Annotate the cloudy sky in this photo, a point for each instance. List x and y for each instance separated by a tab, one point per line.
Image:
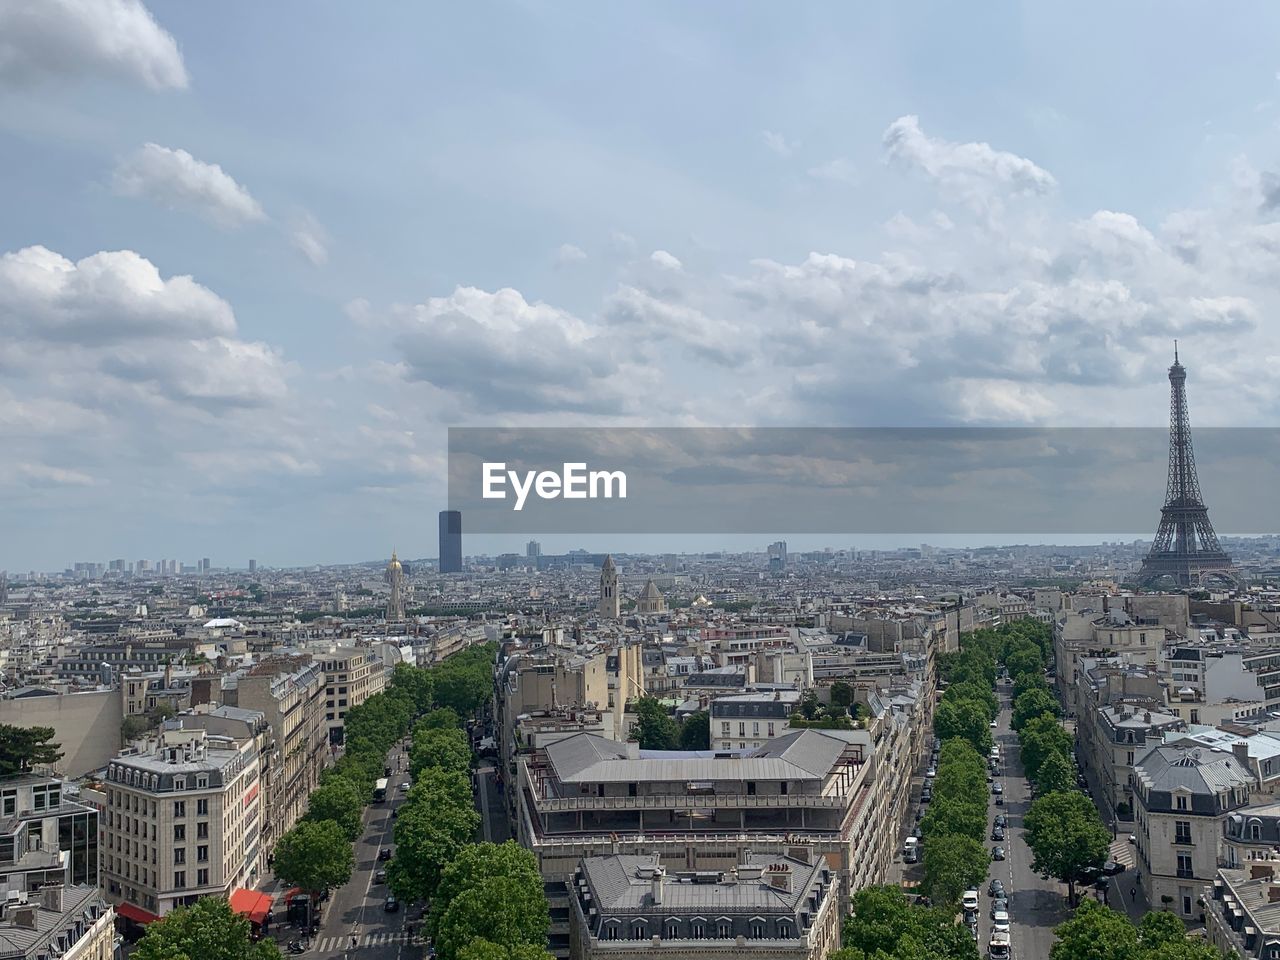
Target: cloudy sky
256	258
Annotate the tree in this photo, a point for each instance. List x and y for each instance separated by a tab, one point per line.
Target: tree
879	916
339	800
1029	681
428	835
1024	660
842	694
1056	773
486	950
695	732
1039	738
1066	836
314	855
1160	927
810	704
1095	933
207	930
977	693
444	749
1032	704
496	909
963	718
23	748
952	864
654	729
955	815
479	862
442	719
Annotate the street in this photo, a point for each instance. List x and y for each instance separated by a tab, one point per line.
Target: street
1036	905
355	910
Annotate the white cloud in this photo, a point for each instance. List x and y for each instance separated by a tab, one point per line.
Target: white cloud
310	239
665	260
568	254
839	170
176	179
964	166
40	474
778	143
46	39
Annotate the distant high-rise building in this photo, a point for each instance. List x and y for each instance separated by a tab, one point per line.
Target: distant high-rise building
610	602
143	566
395	580
4	586
778	556
253	566
533	549
204	564
450	541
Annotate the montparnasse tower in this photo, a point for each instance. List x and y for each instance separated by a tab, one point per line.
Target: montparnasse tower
395	580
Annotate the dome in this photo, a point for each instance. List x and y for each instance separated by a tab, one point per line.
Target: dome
394	564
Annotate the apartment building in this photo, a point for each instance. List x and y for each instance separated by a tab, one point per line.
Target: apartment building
352	675
183	821
1110	738
778	907
1183	794
746	721
290	692
58	922
47	836
1242	907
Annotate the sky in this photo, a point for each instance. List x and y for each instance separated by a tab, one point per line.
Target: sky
255	259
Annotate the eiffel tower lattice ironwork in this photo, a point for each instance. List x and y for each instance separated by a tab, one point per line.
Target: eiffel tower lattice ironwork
1186	549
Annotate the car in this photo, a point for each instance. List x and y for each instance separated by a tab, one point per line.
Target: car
997	853
1002	821
995	725
971	918
998	904
969	900
1000	922
391	904
380	877
1112	869
1133	838
997	787
911	855
995	888
997	832
999	799
926	795
973	932
384	854
405	785
930	773
919	815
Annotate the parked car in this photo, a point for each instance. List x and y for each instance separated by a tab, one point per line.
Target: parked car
969	900
994	725
995	888
380	877
1000	922
997	832
997	853
1133	838
971	918
998	904
930	773
999	799
384	854
391	905
1112	869
997	787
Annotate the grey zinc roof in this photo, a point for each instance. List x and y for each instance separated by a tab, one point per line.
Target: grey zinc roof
619	887
802	755
1184	765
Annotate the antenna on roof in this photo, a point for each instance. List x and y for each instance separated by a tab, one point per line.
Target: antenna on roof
1175	351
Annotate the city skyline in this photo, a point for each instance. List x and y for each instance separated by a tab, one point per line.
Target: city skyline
238	325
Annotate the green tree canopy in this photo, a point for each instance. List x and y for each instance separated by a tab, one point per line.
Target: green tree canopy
1024	659
1055	774
1095	933
1066	836
442	749
695	731
486	950
965	719
842	694
654	729
952	864
428	834
1024	682
497	909
23	748
481	861
314	855
339	800
1032	704
976	693
207	930
444	718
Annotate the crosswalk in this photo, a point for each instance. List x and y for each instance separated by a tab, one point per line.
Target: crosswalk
334	944
1122	851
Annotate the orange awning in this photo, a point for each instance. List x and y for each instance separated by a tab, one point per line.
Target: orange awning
136	914
254	905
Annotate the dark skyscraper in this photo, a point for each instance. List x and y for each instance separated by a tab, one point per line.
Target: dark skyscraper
450	541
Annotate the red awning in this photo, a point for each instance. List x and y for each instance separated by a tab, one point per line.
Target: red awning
136	914
292	893
254	905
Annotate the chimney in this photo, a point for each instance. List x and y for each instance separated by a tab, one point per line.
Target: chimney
778	876
25	916
1147	717
655	884
51	898
1273	894
1240	750
633	749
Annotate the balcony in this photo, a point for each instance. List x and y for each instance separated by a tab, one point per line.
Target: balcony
1183	839
1184	874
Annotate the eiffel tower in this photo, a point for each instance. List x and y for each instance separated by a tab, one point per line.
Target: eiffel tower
1186	550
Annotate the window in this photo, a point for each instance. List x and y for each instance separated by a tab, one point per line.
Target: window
179	879
202	831
611	930
771	728
1182	831
1195	716
179	831
757	931
202	877
202	853
722	930
755	728
673	931
637	930
179	808
179	854
1184	865
179	783
784	930
742	728
202	808
699	931
724	728
1129	758
202	783
1181	802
